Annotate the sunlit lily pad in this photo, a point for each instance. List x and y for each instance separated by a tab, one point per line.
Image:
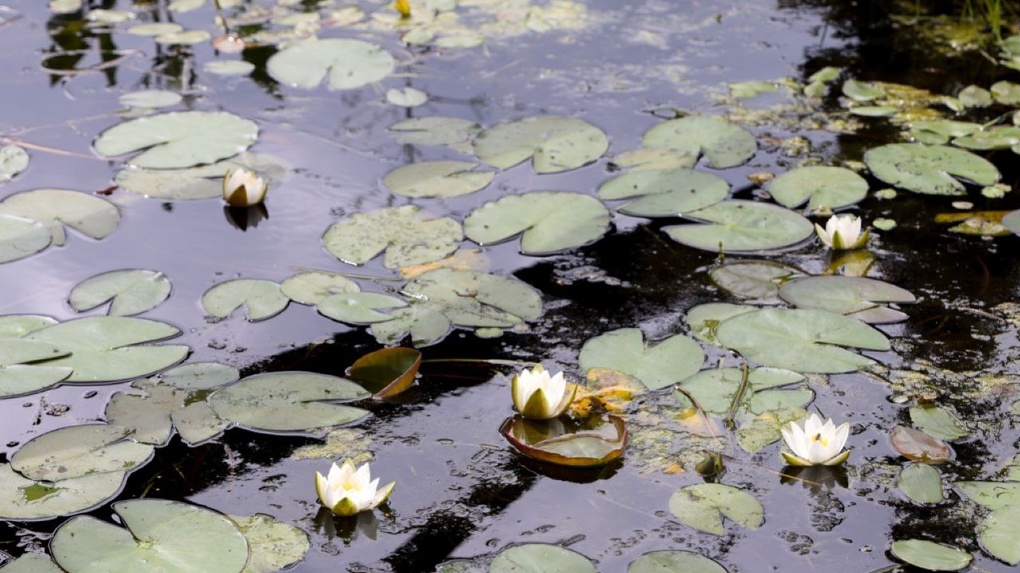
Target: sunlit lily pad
33	562
158	536
273	545
739	225
801	340
566	443
108	348
76	451
407	97
18	325
261	298
386	372
658	366
857	297
703	507
346	64
674	561
425	322
358	307
441	179
716	390
150	98
540	558
755	280
178	139
200	375
931	556
229	67
723	143
13	160
766	428
202	182
128	292
25	499
311	287
918	446
553	143
17	373
551	221
665	192
54	208
403	232
932	170
289	402
825	186
704	319
938	422
21	237
153	412
921	483
436	130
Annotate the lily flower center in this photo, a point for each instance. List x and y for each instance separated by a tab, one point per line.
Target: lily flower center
818	438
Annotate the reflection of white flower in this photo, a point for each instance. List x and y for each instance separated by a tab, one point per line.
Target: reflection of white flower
816	443
243	188
539	396
348	491
843	232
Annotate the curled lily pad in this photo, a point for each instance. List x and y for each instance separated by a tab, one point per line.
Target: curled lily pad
346	64
128	292
703	507
26	499
566	443
358	307
289	402
667	561
77	451
442	179
658	366
931	556
403	232
857	297
54	208
723	143
824	186
665	192
21	237
756	280
928	169
550	221
738	225
158	535
800	340
918	446
540	558
553	143
179	139
262	298
386	372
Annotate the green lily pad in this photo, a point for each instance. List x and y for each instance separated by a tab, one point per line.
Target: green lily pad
738	225
974	96
424	322
1006	93
857	297
442	179
159	535
664	192
674	561
19	376
128	292
152	415
723	143
407	97
716	389
825	186
109	348
346	64
178	139
272	545
155	29
931	556
931	170
596	442
436	130
553	143
703	507
228	67
656	158
33	562
24	499
386	372
551	221
311	287
754	280
358	307
766	428
54	208
261	298
18	325
995	495
289	402
941	130
200	375
21	237
13	160
999	137
202	182
150	98
705	319
403	232
938	422
624	350
540	558
76	451
184	37
801	340
921	483
862	91
874	110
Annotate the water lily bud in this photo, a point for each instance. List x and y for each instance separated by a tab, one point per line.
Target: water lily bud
539	396
816	443
347	491
243	188
843	232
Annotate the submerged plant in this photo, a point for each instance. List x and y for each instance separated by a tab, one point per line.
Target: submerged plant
347	491
539	396
816	443
843	232
243	188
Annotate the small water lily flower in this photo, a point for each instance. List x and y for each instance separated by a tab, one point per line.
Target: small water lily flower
539	396
347	491
243	188
843	233
816	443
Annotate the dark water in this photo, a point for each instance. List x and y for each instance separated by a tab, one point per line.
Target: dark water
460	491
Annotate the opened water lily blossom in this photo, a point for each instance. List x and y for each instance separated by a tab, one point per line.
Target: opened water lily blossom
843	232
347	491
539	396
243	188
816	443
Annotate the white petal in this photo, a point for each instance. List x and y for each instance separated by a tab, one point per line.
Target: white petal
841	434
361	478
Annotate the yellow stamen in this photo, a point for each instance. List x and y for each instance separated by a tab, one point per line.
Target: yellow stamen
818	438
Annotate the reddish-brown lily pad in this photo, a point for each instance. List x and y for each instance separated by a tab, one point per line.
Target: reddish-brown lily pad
386	372
918	446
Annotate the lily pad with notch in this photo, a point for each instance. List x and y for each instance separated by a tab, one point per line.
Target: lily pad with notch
674	560
441	179
704	319
938	422
200	375
664	192
21	237
178	139
24	499
77	451
358	307
857	297
553	143
754	280
540	558
658	366
344	63
717	390
999	530
725	144
311	287
89	215
548	221
155	410
929	169
740	226
424	322
129	292
565	442
260	297
703	507
820	186
403	232
19	375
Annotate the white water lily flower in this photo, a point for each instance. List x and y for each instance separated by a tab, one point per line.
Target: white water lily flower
348	491
539	396
816	443
843	232
243	188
